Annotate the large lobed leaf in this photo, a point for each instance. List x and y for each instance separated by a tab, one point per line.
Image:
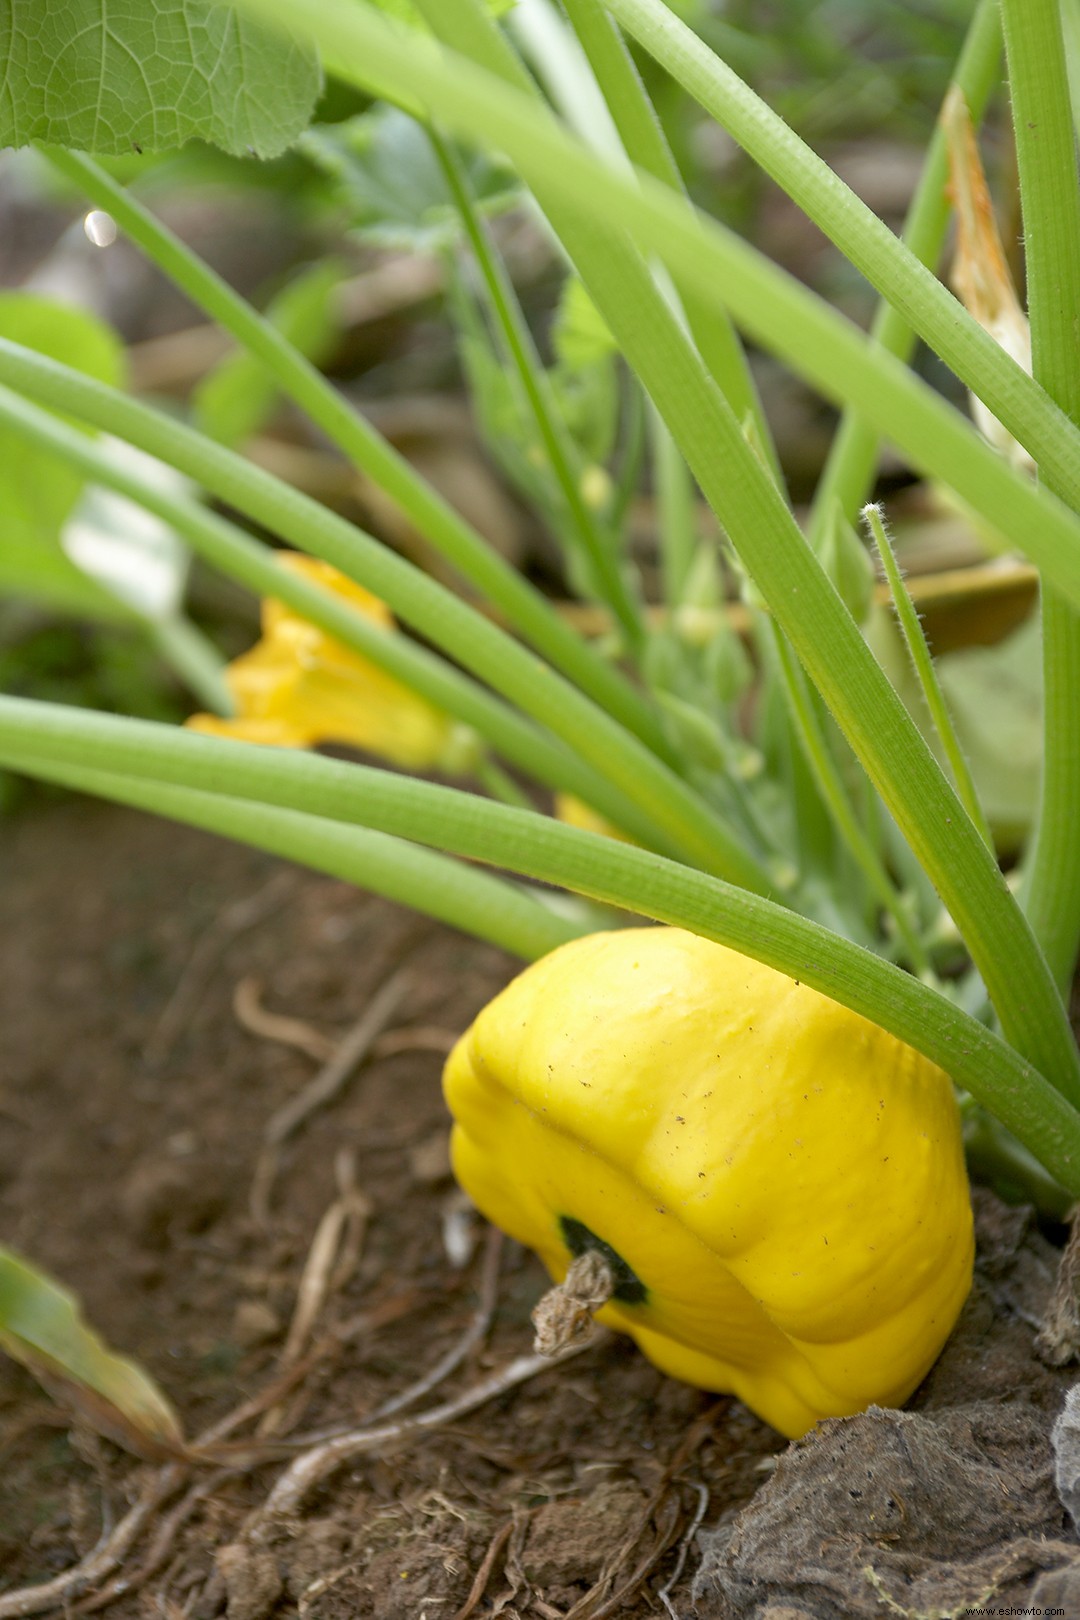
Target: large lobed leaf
111	76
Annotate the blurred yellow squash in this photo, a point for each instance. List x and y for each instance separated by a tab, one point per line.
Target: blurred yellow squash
576	813
777	1185
299	686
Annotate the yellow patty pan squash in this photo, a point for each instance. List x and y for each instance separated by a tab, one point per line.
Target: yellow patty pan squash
777	1184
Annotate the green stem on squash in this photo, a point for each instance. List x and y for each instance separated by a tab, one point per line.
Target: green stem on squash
915	640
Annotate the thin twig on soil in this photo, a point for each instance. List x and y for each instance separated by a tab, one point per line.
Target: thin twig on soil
415	1038
474	1333
308	1470
159	1548
483	1574
100	1562
446	1364
332	1258
692	1529
321	1584
330	1080
250	1013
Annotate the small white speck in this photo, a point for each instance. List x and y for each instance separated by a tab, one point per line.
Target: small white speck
100	228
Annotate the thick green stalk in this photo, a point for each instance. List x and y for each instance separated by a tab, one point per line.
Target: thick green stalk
859	234
783	316
523	606
1050	199
849	470
738	486
649	794
596	548
51	736
408	873
923	663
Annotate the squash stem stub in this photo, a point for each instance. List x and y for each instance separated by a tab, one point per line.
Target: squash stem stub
627	1288
596	1274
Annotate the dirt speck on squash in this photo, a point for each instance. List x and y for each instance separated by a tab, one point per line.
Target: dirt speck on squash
134	1103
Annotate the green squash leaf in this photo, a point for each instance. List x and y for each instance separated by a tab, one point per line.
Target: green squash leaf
117	78
994	696
389	181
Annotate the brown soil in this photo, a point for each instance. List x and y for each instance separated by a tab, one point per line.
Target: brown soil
133	1103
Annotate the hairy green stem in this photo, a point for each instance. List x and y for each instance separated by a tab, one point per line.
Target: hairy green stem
49	736
923	663
1050	199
